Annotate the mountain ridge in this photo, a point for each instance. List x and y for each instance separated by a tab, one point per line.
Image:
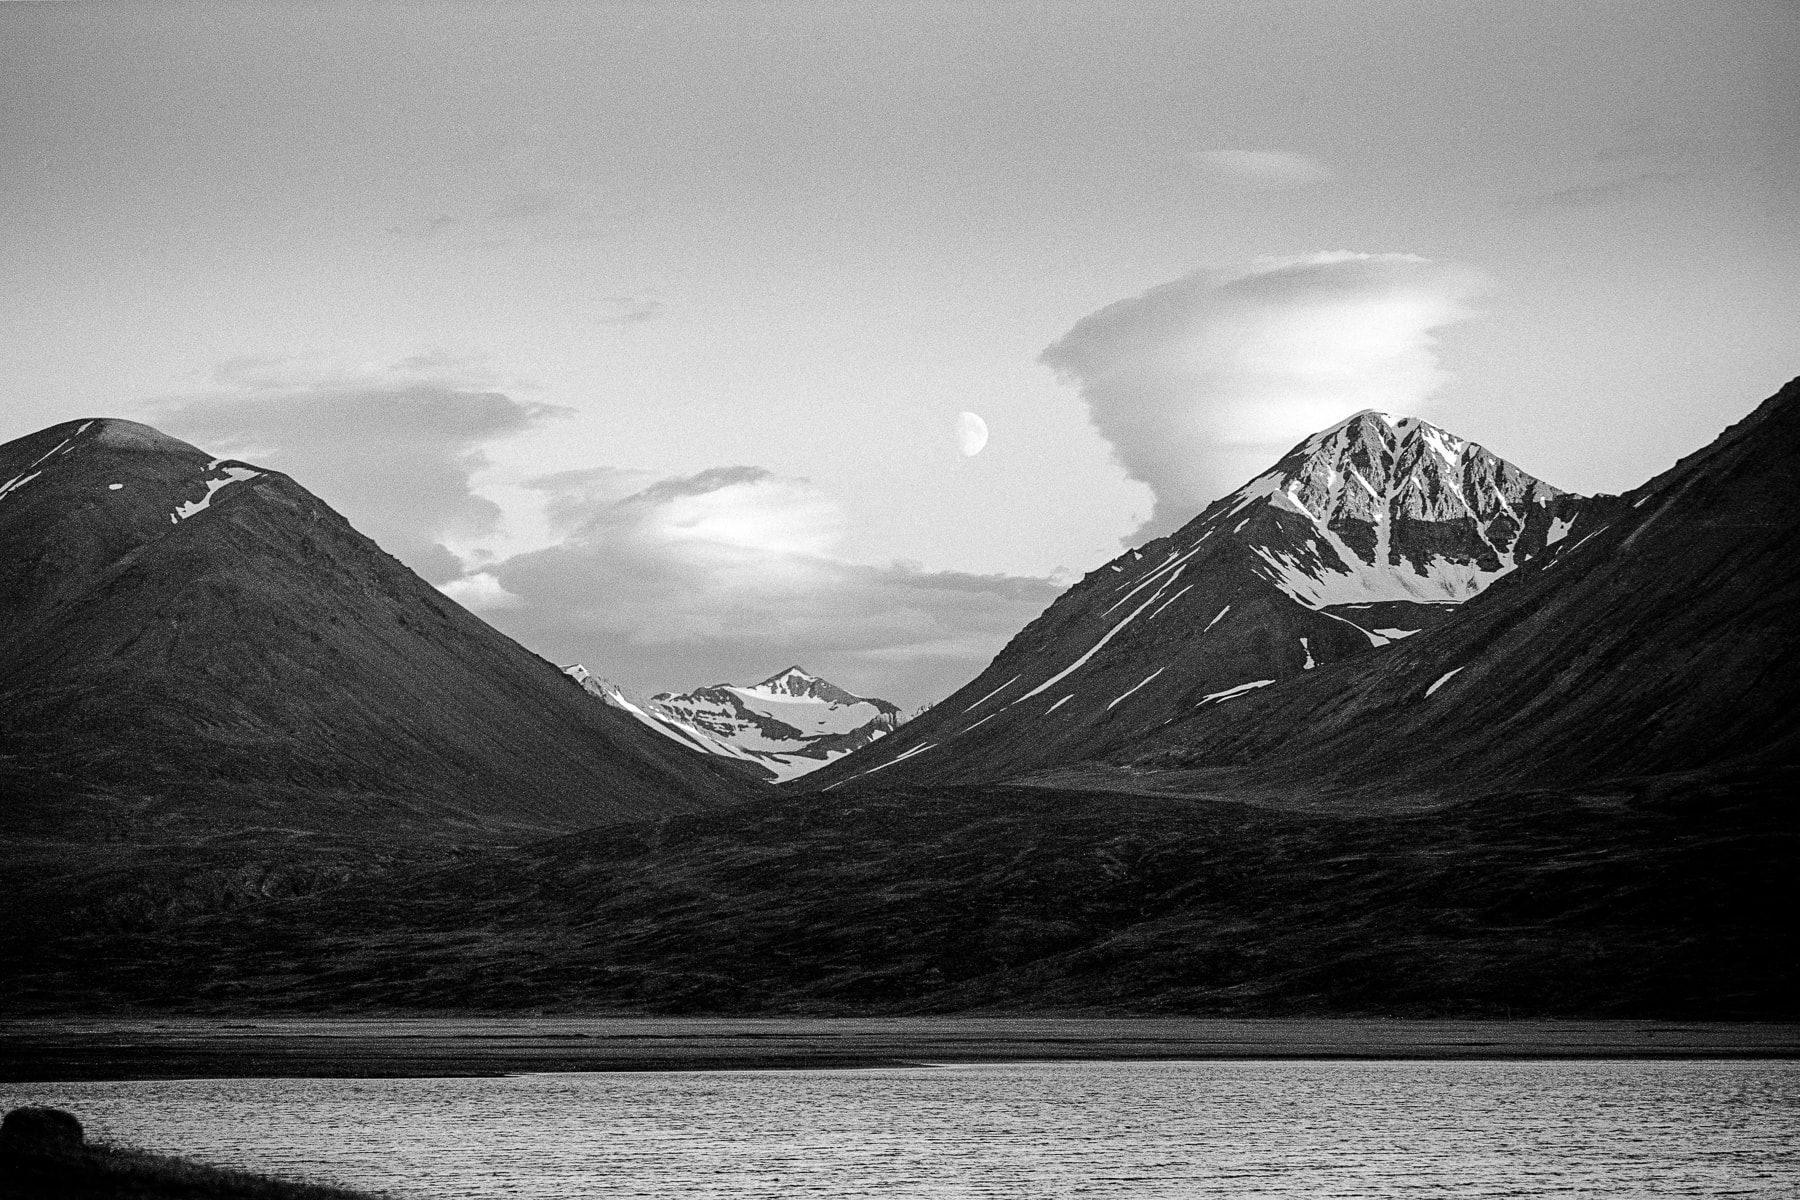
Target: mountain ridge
1362	534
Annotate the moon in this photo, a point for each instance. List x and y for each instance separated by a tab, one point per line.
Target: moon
971	434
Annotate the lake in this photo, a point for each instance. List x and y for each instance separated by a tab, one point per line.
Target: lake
1094	1129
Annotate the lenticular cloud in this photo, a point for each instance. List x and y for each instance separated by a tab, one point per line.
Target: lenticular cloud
1201	382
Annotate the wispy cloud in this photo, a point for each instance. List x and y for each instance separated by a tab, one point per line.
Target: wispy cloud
1198	383
429	227
558	213
629	310
1262	169
657	581
1645	157
1597	195
545	213
734	572
393	447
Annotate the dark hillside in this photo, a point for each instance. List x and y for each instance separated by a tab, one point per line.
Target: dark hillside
214	691
260	652
1643	898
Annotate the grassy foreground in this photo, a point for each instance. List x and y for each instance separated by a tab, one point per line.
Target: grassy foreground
98	1171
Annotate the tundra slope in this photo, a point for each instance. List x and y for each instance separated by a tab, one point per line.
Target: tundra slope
212	647
1362	535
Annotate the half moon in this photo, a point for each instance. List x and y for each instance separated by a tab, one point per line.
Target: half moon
971	434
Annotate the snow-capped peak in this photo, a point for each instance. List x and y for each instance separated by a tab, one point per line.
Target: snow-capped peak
790	723
1390	508
794	681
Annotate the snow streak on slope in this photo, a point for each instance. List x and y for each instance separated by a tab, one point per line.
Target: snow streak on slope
1099	645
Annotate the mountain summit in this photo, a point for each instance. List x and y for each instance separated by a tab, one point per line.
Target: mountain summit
1362	534
1380	508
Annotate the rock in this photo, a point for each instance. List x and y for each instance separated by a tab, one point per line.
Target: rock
42	1130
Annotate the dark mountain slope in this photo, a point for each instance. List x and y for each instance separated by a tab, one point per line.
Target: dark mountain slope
214	649
1663	634
1363	534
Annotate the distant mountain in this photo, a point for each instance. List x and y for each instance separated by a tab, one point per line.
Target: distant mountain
201	647
1362	535
786	726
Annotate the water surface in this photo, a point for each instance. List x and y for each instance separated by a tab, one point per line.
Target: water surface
1097	1129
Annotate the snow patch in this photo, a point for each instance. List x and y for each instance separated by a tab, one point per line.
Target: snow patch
983	720
1059	704
1559	529
1441	681
1146	679
1309	664
17	482
191	507
1375	639
46	454
1216	619
1232	693
898	759
991	695
1396	634
1172	599
1584	541
113	487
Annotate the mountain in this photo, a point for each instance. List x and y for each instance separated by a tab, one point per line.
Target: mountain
784	727
193	647
1571	796
1362	535
1658	636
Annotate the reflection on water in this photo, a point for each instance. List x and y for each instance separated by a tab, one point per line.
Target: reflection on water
1164	1129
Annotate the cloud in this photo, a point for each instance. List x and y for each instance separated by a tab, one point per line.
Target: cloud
558	213
1596	195
733	573
1270	169
1647	156
545	213
1200	383
392	448
629	310
430	227
480	593
658	582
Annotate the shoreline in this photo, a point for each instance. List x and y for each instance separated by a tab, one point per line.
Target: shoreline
76	1049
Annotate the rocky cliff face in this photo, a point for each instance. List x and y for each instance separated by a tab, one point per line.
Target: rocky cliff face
1363	534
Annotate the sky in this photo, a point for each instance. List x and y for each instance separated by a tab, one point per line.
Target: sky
645	329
